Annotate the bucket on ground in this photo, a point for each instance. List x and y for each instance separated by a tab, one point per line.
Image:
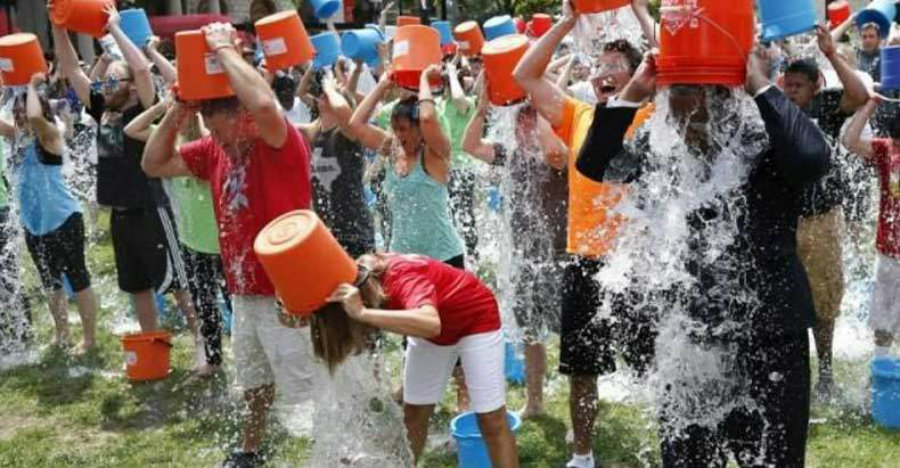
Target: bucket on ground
880	12
83	16
200	75
408	21
21	57
598	6
324	9
837	13
781	19
284	40
890	68
136	26
500	59
361	44
886	392
328	49
540	24
147	355
415	48
515	365
445	30
303	260
469	37
471	450
705	42
499	26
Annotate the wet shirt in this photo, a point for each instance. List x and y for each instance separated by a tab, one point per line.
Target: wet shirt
338	166
45	202
886	158
248	193
465	305
121	181
825	111
869	63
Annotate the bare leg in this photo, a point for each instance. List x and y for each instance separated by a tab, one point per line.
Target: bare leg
498	437
146	310
462	391
823	333
583	411
535	368
416	417
259	400
60	316
87	309
186	304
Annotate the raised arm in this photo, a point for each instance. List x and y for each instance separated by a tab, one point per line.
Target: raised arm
47	132
648	25
457	94
545	95
98	71
165	67
161	157
139	127
68	63
855	92
853	139
367	134
250	87
474	142
339	106
429	121
137	61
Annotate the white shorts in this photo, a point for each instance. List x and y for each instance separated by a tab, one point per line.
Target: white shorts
267	352
885	310
428	368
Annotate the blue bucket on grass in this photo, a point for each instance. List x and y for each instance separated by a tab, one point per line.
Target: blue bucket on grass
880	12
890	67
328	49
784	18
324	9
499	26
446	31
361	44
515	366
886	392
471	450
136	26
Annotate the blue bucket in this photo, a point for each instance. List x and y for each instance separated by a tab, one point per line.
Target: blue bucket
471	451
361	44
890	67
886	392
324	9
499	26
781	18
880	12
446	31
515	366
375	28
328	49
136	26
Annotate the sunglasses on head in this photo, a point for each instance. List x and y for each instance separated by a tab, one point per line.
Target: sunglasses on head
109	85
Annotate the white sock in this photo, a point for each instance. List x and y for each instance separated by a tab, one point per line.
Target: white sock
581	461
882	351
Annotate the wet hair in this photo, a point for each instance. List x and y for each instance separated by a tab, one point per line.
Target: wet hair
631	53
807	67
871	25
407	108
226	105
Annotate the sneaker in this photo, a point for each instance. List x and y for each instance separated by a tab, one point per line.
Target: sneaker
243	460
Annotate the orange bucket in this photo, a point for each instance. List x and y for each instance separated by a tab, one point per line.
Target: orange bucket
84	16
303	260
597	6
200	75
284	40
408	20
469	37
21	57
500	59
147	355
705	42
415	48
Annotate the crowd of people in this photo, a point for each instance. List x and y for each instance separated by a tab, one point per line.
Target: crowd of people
189	185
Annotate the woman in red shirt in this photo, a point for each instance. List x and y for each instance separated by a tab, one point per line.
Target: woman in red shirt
447	313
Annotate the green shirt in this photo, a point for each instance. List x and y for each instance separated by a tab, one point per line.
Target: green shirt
196	218
457	122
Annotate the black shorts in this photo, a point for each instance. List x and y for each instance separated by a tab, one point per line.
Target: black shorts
586	340
61	252
147	250
536	304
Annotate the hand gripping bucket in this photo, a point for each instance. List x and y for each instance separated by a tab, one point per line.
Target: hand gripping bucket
880	12
445	30
705	42
303	260
284	40
415	48
886	392
598	6
499	26
837	13
408	21
500	59
21	57
540	24
147	355
83	16
361	44
781	19
469	37
328	49
136	26
890	68
200	75
471	450
324	9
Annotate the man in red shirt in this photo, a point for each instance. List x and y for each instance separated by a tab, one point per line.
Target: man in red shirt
258	168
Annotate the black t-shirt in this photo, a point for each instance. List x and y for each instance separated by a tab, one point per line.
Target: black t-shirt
828	192
121	182
339	198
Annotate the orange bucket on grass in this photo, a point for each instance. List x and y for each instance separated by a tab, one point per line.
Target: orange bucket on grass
705	42
500	59
415	48
597	6
284	40
469	37
84	16
408	20
21	57
200	75
147	355
303	260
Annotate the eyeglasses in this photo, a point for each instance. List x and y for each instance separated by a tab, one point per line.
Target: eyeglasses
609	68
109	85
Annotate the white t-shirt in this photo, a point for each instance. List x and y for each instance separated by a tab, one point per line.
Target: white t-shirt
299	114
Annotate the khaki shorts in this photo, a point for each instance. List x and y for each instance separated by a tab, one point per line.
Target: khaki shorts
820	246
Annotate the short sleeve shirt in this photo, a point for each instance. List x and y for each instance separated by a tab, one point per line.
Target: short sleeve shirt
829	191
886	158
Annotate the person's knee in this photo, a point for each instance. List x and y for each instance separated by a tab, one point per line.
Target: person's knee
493	424
260	398
415	417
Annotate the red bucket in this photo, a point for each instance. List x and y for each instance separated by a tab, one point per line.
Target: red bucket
838	12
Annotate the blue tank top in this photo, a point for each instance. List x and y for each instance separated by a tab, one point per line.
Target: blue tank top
420	210
44	200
